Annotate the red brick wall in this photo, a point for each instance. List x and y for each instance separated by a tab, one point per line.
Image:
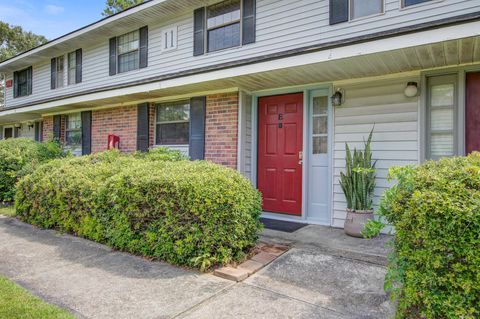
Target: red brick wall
120	121
221	129
47	128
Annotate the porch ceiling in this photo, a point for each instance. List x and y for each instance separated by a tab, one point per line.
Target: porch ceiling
415	58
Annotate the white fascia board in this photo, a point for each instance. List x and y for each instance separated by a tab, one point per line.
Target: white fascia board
371	47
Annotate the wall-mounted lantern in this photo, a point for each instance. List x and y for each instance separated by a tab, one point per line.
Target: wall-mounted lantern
337	97
411	90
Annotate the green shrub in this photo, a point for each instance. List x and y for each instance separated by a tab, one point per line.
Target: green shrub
20	156
434	271
189	213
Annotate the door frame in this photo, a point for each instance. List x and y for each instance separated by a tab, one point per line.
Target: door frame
307	90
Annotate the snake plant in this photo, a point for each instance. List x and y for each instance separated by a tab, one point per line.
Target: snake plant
358	181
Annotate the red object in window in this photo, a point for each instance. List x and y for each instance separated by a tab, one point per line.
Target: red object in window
113	142
9	83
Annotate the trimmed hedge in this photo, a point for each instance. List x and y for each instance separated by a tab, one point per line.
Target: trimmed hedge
435	208
188	213
19	156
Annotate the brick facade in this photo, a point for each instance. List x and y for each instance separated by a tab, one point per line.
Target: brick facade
221	129
120	121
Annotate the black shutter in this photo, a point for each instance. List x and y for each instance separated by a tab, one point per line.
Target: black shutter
37	131
86	132
199	31
197	128
29	80
143	127
248	27
113	56
53	74
143	47
338	11
15	84
78	67
57	127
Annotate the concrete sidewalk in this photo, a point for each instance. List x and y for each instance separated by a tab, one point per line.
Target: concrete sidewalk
92	281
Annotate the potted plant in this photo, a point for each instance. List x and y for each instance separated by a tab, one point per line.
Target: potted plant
358	185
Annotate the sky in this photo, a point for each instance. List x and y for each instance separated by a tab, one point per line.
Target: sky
51	18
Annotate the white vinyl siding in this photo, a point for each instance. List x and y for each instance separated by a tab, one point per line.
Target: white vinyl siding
280	25
395	138
245	163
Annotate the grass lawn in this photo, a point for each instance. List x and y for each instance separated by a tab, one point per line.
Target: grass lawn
7	211
16	302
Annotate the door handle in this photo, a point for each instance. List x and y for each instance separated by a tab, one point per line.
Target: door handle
300	158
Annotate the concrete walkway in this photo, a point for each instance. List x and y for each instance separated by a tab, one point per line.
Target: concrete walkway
92	281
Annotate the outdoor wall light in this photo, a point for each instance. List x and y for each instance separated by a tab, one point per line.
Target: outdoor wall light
337	97
411	90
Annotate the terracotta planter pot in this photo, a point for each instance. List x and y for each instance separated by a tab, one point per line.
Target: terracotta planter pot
356	221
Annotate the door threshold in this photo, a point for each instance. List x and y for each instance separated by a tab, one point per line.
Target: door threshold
296	219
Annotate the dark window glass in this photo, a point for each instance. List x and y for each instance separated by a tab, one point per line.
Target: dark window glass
407	3
173	123
8	133
22	84
223	25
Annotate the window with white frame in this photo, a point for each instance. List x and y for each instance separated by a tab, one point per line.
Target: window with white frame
72	68
60	67
441	116
223	25
22	83
73	130
128	51
172	123
364	8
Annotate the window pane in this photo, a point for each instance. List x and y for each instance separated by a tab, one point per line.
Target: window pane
60	71
441	119
224	37
320	125
74	121
223	13
179	111
72	67
441	145
128	62
128	42
173	133
320	145
413	2
362	8
73	137
442	95
320	105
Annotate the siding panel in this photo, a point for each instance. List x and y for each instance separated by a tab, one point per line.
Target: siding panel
395	138
280	25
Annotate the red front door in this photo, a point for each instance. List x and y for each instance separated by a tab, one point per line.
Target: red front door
472	113
280	143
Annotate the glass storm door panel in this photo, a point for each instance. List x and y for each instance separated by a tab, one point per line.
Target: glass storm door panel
318	167
280	146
